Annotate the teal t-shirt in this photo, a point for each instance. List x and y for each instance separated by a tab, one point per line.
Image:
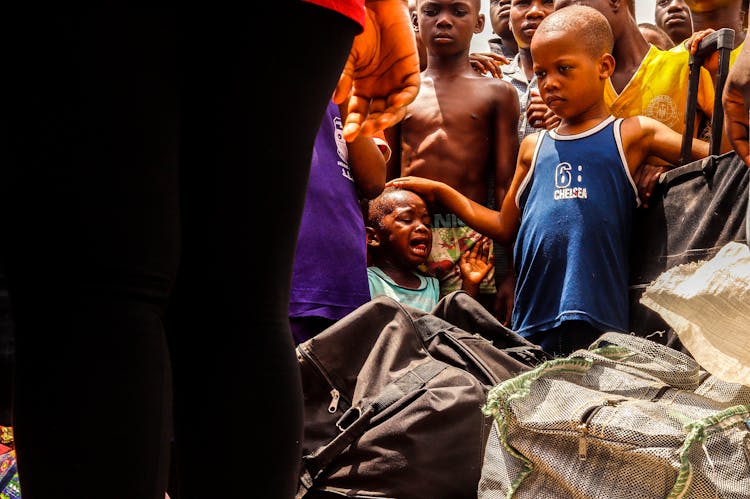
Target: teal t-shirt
424	298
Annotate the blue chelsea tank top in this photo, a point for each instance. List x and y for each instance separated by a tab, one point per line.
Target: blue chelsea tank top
571	252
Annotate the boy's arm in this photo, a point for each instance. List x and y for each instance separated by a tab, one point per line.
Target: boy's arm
393	165
367	162
506	157
643	137
505	139
736	100
500	226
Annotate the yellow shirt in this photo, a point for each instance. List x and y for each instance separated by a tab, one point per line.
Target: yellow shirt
658	89
680	47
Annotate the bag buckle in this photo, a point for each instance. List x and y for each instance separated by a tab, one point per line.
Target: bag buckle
350	416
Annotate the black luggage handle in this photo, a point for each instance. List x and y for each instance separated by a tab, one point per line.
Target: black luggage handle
723	41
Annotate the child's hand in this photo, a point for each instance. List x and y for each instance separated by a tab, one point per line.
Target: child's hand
484	62
422	186
538	114
711	63
475	264
646	179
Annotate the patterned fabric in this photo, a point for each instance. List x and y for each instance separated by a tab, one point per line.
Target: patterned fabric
514	74
10	488
451	237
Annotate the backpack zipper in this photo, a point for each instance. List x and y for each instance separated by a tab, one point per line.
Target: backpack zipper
336	395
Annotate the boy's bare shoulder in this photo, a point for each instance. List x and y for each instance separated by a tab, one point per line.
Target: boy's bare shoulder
504	90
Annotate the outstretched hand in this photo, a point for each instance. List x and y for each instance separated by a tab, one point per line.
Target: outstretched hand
475	264
381	75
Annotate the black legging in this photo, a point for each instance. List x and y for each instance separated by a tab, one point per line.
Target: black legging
155	165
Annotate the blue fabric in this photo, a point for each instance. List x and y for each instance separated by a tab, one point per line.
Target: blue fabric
576	205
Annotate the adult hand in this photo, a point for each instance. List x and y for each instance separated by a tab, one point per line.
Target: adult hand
736	101
381	75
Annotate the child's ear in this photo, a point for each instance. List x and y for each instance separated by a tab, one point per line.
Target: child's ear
414	21
373	241
606	66
479	26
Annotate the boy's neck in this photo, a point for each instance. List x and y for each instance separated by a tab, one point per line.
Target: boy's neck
629	51
525	62
454	65
585	121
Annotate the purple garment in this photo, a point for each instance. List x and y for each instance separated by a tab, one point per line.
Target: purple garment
330	266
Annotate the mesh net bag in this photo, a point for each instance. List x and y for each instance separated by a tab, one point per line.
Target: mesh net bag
628	418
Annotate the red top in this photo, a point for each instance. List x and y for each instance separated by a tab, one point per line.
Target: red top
353	9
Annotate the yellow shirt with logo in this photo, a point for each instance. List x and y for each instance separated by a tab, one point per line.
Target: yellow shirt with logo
658	89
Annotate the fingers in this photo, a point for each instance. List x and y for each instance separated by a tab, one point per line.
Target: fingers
368	116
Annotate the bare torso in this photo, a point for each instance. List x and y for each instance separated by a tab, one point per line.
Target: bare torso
451	129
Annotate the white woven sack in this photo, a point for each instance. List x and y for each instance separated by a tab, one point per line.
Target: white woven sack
708	306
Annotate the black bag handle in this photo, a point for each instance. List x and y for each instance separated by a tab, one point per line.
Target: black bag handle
355	421
723	41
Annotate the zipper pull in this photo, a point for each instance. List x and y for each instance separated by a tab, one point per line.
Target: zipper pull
334	405
582	443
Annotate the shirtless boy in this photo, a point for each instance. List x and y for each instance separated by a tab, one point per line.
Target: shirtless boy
461	129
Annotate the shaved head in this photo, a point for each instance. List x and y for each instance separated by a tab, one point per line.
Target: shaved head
590	26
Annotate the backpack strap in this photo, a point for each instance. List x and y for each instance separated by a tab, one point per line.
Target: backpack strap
356	420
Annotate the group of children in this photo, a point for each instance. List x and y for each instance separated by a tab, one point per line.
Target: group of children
549	161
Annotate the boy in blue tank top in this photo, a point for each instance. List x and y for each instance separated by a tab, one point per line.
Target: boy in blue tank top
571	201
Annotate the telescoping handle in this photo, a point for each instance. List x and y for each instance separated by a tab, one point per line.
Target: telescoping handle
723	41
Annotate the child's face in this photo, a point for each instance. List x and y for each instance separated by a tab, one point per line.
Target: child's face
447	26
673	16
525	16
571	81
406	234
500	17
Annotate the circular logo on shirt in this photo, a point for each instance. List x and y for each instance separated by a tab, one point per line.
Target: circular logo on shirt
663	108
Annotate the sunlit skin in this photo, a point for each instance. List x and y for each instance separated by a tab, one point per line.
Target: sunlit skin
673	16
381	75
462	127
525	16
736	100
717	14
402	240
571	82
